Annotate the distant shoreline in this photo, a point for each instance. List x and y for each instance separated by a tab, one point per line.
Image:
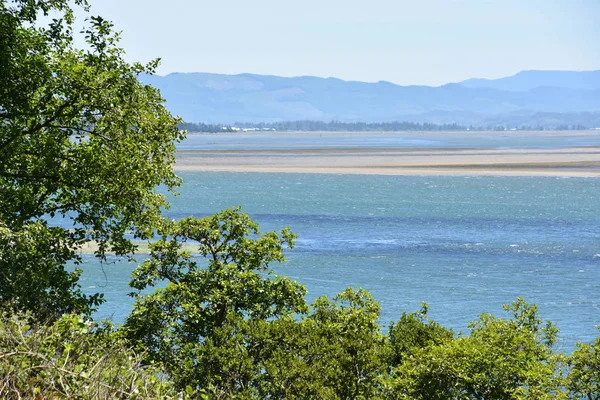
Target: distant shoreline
535	132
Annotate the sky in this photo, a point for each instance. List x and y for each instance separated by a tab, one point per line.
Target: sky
416	42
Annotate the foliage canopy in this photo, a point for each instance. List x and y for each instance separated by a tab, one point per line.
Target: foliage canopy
83	146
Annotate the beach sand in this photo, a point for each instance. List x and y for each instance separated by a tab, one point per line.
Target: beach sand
576	161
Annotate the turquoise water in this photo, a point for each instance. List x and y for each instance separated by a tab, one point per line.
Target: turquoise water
465	245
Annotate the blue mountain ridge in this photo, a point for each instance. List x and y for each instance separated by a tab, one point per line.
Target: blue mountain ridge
218	98
527	80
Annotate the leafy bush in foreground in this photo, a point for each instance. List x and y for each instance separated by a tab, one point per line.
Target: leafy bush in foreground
71	359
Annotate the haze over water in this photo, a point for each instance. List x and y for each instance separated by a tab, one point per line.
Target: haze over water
391	140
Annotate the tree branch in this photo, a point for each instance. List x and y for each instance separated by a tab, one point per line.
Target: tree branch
37	127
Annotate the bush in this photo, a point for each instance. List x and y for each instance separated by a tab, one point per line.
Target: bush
71	358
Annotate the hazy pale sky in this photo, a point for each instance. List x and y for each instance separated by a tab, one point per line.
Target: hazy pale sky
428	42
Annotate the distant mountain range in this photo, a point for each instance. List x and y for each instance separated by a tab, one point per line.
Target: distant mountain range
529	97
527	80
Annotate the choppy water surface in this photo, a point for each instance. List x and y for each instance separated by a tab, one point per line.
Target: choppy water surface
465	245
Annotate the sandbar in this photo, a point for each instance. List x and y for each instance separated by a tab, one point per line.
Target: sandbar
576	161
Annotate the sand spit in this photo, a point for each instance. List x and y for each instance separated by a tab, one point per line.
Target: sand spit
576	161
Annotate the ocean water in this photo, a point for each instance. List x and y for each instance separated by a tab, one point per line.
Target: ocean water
389	140
464	245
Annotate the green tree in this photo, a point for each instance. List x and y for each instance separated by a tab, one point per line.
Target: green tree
413	332
583	380
501	359
83	146
335	352
196	325
227	324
